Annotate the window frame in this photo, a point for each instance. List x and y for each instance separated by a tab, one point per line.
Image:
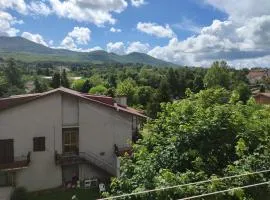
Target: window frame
39	144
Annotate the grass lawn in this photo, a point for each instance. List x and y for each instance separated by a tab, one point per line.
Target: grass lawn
65	194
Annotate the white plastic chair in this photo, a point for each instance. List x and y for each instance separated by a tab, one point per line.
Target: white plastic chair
87	183
102	187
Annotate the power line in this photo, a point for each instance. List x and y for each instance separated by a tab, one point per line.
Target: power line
187	184
223	191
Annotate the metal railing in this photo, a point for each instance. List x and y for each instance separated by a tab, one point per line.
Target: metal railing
88	157
17	163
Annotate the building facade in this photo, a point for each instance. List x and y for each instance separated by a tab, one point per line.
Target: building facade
47	138
262	98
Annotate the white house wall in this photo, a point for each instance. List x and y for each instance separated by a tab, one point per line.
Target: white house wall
70	110
100	128
38	118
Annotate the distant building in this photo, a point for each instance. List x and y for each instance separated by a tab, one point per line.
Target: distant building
48	137
256	76
262	98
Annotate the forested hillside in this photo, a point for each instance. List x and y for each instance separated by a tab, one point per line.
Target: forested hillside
27	51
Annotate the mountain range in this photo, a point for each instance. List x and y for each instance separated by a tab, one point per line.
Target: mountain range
27	51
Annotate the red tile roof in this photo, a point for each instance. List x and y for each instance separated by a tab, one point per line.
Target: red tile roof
263	94
109	102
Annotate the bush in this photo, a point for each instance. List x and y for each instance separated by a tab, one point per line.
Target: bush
19	193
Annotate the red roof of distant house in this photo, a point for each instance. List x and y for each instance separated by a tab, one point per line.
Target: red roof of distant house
263	94
109	102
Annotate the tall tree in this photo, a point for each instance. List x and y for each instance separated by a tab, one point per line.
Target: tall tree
218	76
13	74
56	80
64	79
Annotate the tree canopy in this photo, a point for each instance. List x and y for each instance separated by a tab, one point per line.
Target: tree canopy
204	136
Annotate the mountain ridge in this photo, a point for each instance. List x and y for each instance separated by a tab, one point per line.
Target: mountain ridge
28	51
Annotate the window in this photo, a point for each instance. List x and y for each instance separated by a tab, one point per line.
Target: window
70	140
39	144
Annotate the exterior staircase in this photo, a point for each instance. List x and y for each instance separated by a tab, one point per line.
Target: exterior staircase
88	158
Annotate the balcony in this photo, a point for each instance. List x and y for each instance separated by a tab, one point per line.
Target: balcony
18	163
123	150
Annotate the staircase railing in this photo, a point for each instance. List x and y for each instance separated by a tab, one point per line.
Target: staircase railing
86	156
99	162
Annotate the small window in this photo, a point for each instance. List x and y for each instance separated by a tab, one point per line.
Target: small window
39	144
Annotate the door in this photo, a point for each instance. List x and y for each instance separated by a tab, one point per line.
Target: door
6	151
70	140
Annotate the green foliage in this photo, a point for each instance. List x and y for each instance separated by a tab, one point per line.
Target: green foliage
126	88
99	89
64	79
13	74
56	82
97	80
218	76
203	136
40	86
78	85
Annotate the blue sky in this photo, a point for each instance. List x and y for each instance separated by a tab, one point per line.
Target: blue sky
188	32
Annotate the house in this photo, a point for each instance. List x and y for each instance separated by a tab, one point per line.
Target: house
257	75
262	98
47	138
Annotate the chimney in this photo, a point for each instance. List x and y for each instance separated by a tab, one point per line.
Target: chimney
121	100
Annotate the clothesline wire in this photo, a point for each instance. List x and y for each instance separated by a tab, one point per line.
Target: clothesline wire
224	191
184	185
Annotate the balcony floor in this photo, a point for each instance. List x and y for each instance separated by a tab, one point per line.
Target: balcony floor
13	166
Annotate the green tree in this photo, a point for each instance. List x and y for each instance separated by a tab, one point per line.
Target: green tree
244	92
12	74
196	139
86	86
39	86
198	83
143	95
99	89
126	88
78	85
217	76
56	80
64	79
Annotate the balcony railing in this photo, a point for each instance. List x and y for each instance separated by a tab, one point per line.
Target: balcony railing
18	163
85	157
123	150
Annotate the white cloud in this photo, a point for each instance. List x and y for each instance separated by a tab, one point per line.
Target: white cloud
82	35
34	38
137	3
51	42
68	43
121	48
96	48
243	39
117	47
6	23
241	10
138	47
78	36
156	30
18	5
98	12
115	30
38	8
